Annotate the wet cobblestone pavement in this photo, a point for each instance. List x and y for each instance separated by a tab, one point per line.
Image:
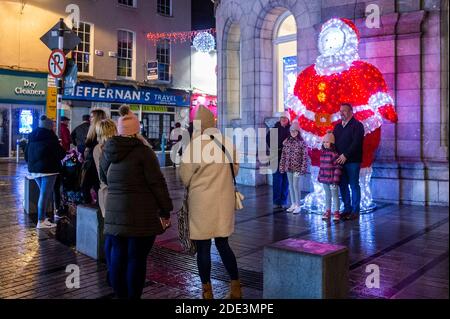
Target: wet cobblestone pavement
410	244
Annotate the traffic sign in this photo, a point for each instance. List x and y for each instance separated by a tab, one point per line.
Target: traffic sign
50	39
57	63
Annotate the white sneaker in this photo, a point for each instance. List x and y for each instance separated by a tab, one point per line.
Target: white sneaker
292	208
45	224
297	210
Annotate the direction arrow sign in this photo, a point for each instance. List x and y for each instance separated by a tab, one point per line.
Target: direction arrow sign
57	63
50	39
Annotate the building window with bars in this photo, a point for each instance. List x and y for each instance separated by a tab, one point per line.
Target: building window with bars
82	53
128	3
125	44
163	57
165	7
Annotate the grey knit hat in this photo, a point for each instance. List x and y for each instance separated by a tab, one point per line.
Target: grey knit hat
45	122
295	126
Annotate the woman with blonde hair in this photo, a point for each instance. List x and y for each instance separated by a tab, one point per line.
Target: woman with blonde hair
104	130
89	173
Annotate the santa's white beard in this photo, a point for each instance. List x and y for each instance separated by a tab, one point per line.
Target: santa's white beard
339	62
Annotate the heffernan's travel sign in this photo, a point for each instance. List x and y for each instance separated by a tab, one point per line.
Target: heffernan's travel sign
124	94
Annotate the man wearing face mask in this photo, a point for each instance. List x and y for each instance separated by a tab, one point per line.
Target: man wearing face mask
349	135
280	183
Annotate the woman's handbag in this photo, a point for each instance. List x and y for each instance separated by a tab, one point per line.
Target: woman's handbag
239	197
183	227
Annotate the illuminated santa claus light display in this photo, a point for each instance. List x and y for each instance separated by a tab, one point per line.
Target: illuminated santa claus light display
339	76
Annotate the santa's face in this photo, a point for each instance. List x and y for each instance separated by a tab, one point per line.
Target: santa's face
331	41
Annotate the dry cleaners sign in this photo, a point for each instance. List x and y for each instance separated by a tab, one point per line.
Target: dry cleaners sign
29	88
123	94
22	87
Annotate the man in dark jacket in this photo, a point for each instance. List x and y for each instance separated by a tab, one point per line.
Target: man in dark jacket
280	183
349	135
79	134
138	206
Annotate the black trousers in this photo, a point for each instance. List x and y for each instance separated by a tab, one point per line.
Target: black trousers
204	258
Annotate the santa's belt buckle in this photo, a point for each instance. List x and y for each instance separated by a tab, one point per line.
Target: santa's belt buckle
323	119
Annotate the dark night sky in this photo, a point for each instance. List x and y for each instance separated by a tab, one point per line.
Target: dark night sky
203	14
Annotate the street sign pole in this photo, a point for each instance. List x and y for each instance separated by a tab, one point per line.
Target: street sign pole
59	81
62	39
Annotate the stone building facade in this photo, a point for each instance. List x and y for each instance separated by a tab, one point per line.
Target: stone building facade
410	48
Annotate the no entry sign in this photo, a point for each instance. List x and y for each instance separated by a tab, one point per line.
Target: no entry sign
57	63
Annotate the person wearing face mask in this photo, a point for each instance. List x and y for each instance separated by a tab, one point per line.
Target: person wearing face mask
280	183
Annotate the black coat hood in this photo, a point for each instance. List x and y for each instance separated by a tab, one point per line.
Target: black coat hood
41	134
118	147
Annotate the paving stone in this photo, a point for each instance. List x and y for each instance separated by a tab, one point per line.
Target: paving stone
401	240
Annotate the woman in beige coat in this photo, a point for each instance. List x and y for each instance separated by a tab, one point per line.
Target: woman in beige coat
206	173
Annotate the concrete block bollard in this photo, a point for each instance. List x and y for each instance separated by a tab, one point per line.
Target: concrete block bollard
303	269
90	238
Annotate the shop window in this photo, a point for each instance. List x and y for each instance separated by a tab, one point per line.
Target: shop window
233	72
163	57
164	7
82	53
125	47
285	61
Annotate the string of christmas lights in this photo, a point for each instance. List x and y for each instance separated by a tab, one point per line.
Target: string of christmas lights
177	37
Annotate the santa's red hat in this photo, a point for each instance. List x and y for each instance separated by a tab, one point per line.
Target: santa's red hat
351	25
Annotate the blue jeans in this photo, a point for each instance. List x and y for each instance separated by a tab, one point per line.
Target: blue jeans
204	258
350	176
127	264
45	184
280	188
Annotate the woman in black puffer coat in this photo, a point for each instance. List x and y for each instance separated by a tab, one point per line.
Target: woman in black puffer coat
138	207
43	155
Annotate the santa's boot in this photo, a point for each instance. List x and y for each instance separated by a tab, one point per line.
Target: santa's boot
235	290
207	292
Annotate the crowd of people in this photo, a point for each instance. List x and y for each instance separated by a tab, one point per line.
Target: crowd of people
122	174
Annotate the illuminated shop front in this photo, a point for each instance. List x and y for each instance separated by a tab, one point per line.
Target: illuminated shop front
22	101
157	110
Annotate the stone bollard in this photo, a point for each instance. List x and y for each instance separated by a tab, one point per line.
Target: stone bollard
90	238
303	269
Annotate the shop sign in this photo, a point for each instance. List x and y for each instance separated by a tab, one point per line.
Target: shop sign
51	103
129	95
154	108
16	86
